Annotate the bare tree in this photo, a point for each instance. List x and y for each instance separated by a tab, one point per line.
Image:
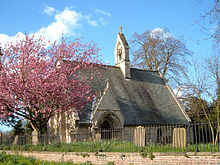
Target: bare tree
211	17
195	110
206	86
158	50
214	14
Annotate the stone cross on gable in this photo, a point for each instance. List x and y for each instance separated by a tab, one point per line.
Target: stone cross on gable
120	29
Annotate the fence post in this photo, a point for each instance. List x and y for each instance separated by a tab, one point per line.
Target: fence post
196	136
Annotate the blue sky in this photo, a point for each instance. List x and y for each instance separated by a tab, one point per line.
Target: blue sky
99	20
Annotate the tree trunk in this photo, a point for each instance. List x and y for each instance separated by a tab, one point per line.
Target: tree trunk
38	133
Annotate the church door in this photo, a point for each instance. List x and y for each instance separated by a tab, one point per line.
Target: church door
106	130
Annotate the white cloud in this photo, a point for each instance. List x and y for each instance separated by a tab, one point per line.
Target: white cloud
157	31
180	91
103	12
91	22
65	23
4	39
102	21
49	10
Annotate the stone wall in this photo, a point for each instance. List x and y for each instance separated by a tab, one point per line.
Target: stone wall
127	158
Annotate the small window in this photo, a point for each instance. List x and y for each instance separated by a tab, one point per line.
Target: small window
119	54
119	57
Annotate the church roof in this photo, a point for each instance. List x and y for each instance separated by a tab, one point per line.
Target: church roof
143	99
124	41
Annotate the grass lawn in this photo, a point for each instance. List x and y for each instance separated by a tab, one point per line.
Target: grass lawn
110	146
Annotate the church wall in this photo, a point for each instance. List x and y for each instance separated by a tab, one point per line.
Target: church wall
64	128
152	134
81	133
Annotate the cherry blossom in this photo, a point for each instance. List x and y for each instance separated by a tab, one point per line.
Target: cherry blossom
37	81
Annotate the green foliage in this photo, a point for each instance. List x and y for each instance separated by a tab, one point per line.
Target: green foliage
151	156
111	163
195	109
31	159
86	163
109	146
143	154
2	156
18	128
13	160
16	160
146	154
97	154
83	154
6	159
28	128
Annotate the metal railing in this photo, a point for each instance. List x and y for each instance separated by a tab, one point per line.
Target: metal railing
202	137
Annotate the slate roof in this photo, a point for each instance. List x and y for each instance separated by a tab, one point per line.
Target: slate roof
144	99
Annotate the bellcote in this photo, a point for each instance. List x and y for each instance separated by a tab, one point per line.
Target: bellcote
122	55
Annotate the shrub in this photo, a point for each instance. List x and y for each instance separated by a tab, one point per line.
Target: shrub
83	154
143	154
110	163
86	163
151	156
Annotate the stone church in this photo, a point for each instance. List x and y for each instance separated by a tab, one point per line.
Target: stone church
127	98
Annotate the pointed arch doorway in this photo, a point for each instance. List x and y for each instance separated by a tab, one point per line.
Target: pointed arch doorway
106	130
109	125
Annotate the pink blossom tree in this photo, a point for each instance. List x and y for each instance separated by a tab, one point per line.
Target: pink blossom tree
37	81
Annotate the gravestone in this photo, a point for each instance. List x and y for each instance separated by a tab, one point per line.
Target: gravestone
35	139
179	137
139	136
0	138
97	136
15	142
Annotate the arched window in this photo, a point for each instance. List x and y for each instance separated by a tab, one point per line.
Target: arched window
119	52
